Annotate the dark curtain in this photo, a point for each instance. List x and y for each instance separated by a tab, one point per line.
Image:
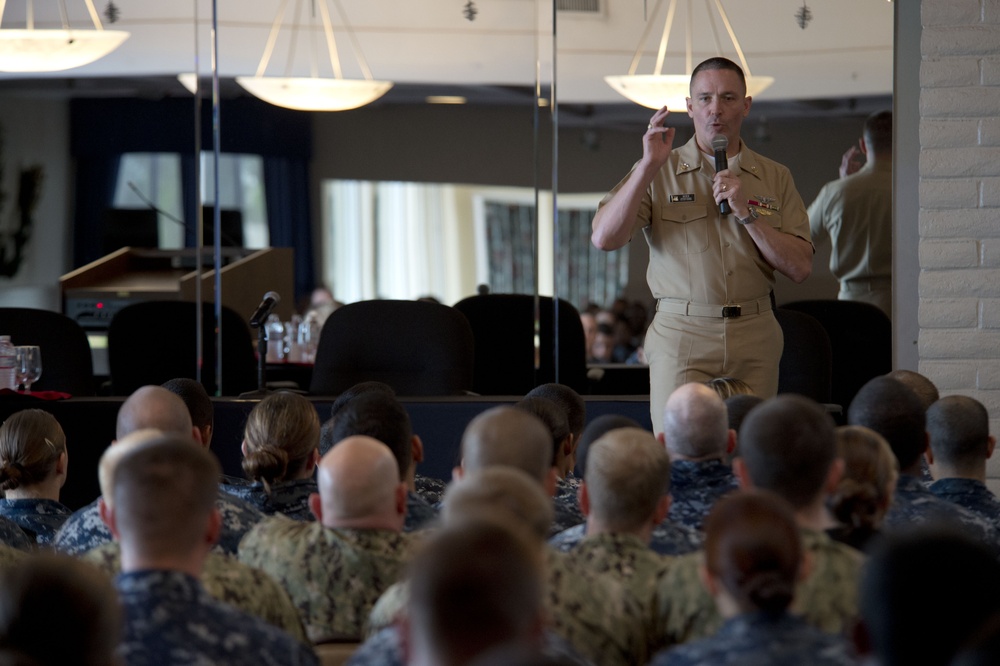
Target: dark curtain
101	130
96	175
286	182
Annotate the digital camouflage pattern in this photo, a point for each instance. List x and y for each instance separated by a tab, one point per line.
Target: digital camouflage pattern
289	498
642	571
334	576
827	599
666	539
84	530
38	518
171	619
755	638
914	504
12	535
970	494
419	514
694	489
591	611
431	489
230	581
384	648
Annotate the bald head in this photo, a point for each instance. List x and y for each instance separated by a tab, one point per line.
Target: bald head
508	436
695	423
154	407
359	486
499	492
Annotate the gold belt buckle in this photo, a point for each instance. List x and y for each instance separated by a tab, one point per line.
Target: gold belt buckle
730	311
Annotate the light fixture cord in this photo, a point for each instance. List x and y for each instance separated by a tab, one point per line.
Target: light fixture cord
331	41
272	37
94	16
293	42
732	36
354	42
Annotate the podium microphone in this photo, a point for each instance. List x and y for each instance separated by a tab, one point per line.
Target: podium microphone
260	315
719	145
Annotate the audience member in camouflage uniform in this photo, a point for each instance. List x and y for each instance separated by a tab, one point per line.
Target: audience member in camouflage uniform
894	411
33	464
571	404
753	557
697	436
787	446
163	515
664	537
228	580
960	443
590	611
280	452
381	416
336	568
49	590
145	410
625	496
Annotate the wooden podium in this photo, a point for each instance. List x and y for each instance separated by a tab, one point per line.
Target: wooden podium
92	294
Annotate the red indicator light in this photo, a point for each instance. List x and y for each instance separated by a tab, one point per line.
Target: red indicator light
100	306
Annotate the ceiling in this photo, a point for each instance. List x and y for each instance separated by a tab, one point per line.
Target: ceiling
844	53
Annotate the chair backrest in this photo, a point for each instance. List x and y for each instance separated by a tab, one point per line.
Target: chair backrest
860	341
806	365
417	348
66	357
504	328
153	341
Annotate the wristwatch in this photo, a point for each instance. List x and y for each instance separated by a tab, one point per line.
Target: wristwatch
752	216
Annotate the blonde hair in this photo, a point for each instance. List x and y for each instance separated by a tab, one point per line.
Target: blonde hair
870	471
727	387
280	434
31	442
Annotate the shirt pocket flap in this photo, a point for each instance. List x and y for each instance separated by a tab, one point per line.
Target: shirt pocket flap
683	214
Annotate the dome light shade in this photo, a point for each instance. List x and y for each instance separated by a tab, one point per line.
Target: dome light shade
670	90
314	94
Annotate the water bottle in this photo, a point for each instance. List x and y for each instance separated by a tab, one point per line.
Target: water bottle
293	352
8	363
275	339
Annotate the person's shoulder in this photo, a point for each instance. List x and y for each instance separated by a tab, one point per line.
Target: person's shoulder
569	538
257	639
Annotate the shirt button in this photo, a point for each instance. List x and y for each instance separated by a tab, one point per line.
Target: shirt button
729	273
728	244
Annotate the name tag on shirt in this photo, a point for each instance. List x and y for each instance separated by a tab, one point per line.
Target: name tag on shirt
681	198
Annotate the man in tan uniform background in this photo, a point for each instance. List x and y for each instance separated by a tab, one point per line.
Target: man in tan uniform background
856	213
711	274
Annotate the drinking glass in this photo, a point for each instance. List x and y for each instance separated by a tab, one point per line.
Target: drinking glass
28	365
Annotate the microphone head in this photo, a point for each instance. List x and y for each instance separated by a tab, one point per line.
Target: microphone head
273	295
720	142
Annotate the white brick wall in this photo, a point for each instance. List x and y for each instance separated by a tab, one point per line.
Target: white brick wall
959	193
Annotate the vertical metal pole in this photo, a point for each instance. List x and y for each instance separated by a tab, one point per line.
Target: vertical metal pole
199	314
554	109
217	210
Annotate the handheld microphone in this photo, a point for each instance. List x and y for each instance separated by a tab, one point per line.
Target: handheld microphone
719	145
260	315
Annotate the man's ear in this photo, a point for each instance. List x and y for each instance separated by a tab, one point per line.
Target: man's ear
196	435
107	517
214	527
457	473
401	494
991	444
834	475
806	566
583	497
662	439
662	509
417	449
551	481
312	460
316	507
730	442
929	455
740	472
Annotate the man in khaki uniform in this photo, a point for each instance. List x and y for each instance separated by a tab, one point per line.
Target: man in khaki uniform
856	213
711	274
334	569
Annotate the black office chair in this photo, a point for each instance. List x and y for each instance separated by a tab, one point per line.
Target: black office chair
504	329
66	358
806	365
153	341
860	342
415	347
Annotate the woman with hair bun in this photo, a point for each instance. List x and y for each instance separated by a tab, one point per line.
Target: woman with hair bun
865	491
33	465
753	559
280	452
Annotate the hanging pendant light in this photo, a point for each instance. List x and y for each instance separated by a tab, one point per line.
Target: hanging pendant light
314	93
656	90
53	50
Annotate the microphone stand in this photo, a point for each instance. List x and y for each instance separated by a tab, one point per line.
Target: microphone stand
262	390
